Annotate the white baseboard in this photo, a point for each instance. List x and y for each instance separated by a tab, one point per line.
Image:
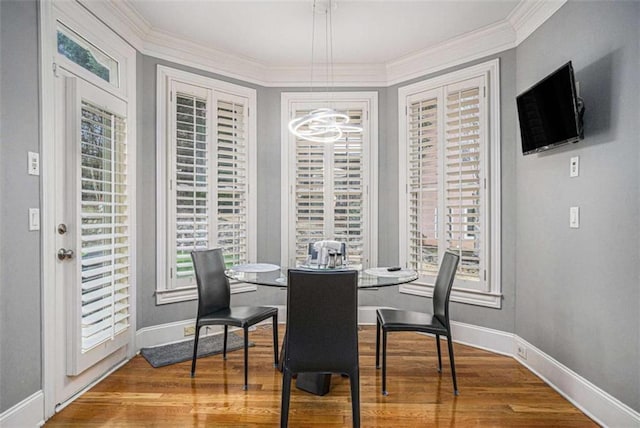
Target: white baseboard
27	413
164	334
599	405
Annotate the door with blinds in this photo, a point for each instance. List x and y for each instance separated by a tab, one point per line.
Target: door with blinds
94	243
329	191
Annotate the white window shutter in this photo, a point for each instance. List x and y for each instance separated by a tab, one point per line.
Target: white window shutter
105	235
192	183
232	179
464	165
329	192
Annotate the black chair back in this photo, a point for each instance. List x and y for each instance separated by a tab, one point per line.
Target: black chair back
442	289
322	321
214	292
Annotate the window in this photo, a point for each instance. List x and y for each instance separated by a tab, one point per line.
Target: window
206	168
79	51
330	183
449	181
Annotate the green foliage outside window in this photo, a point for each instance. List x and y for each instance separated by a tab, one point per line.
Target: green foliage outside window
81	56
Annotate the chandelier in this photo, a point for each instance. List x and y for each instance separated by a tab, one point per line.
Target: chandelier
323	125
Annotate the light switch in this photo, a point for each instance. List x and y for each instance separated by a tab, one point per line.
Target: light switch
34	164
34	219
574	167
574	217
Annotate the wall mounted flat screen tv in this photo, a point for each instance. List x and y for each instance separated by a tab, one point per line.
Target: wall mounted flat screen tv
550	112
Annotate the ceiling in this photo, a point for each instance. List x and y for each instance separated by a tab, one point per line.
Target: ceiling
375	42
279	33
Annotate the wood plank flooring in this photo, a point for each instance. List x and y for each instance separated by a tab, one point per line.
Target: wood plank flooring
495	391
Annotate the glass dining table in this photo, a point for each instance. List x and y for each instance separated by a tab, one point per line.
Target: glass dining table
271	275
276	276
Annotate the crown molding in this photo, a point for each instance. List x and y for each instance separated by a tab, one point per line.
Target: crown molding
490	40
531	14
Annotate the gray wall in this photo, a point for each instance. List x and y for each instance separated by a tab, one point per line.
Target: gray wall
578	293
20	299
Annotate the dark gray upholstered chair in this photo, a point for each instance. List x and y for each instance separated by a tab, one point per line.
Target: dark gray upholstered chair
436	323
322	331
214	296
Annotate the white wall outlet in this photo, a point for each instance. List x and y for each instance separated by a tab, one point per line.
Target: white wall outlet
190	330
34	219
34	163
521	350
574	217
574	168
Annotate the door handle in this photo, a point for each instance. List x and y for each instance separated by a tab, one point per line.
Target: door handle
65	254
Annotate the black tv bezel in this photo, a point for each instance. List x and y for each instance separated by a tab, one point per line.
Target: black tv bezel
577	111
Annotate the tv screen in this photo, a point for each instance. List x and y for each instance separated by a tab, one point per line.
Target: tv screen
550	112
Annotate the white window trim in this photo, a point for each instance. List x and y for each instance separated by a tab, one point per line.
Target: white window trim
491	70
288	102
165	75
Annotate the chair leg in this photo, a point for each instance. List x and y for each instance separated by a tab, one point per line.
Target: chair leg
377	343
384	362
286	393
439	353
195	351
224	343
246	357
453	365
275	340
354	378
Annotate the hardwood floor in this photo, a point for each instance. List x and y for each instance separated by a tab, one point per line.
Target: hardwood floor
494	391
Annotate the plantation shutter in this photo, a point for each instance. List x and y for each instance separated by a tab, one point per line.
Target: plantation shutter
192	181
329	192
232	179
310	185
464	172
104	235
423	184
348	191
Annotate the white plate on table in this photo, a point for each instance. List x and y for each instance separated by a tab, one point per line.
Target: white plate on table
383	271
255	267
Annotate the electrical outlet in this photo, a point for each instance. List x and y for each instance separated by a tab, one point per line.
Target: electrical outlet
190	330
521	351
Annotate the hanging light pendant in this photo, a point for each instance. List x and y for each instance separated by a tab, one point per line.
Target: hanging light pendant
323	125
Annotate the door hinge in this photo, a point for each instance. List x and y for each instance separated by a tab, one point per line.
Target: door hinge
54	67
484	91
171	273
171	96
485	274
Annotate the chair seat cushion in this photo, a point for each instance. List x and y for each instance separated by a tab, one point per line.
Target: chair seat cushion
401	320
240	316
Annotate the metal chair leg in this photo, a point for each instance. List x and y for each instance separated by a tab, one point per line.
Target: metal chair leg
275	340
246	357
354	378
453	365
195	352
439	353
377	343
384	362
286	394
224	343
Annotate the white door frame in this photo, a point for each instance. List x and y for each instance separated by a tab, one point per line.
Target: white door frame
82	21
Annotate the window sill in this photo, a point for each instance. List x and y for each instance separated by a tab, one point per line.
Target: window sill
185	294
472	297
